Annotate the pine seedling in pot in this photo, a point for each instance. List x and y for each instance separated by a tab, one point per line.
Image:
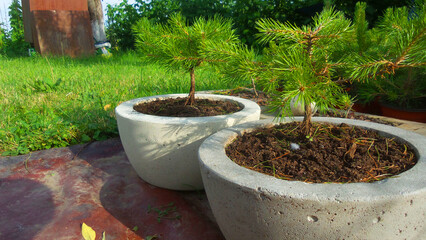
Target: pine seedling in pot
393	65
301	62
177	45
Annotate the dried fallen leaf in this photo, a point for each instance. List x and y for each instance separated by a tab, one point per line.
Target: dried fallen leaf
106	107
87	232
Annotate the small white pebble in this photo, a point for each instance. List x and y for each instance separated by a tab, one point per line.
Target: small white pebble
294	146
312	218
376	220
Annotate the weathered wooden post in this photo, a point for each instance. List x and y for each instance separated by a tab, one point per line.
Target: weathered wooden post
97	20
98	27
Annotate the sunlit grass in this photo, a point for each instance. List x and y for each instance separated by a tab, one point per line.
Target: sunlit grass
58	101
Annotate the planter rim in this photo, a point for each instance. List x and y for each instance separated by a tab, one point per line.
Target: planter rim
413	110
215	162
126	109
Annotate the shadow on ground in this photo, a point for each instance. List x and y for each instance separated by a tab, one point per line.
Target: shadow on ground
18	199
128	199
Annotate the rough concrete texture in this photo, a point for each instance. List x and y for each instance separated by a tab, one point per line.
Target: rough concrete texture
49	194
250	205
163	150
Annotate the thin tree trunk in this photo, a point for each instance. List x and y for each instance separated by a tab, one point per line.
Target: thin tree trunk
191	96
97	20
306	124
254	87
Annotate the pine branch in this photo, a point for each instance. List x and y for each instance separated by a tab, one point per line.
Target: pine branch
409	47
271	30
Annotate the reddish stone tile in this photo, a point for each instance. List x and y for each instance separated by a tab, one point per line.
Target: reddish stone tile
49	194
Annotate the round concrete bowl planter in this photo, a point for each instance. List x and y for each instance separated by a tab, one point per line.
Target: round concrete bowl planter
163	150
250	205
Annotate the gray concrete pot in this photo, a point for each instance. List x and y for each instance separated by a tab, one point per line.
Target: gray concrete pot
250	205
163	150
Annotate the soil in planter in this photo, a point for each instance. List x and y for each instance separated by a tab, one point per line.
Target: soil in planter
261	98
175	107
341	154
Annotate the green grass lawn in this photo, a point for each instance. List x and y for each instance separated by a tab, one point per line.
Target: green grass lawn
59	101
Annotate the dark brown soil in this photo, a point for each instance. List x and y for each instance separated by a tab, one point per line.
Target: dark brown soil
175	107
334	154
261	98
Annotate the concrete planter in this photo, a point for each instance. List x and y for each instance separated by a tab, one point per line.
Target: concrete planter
163	150
418	115
250	205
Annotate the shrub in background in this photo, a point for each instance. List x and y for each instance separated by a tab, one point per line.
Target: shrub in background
17	44
244	14
373	8
2	37
120	18
123	16
13	41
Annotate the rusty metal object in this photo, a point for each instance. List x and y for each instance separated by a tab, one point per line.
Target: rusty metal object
58	27
62	33
74	5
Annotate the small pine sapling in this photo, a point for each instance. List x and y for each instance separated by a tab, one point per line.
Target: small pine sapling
393	65
177	45
301	63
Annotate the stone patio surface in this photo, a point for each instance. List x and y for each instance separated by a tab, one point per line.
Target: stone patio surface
49	194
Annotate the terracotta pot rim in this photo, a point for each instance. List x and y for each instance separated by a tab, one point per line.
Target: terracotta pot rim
387	105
